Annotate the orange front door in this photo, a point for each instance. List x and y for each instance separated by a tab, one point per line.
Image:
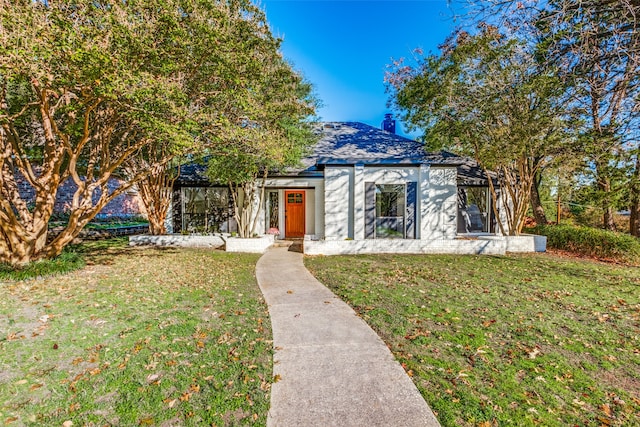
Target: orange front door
294	214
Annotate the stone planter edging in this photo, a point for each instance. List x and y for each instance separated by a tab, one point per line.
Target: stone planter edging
255	245
177	240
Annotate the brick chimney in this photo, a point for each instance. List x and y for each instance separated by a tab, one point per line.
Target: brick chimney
389	124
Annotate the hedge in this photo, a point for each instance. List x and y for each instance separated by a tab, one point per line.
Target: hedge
591	242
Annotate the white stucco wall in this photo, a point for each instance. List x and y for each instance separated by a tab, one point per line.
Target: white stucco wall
338	203
439	211
335	205
345	199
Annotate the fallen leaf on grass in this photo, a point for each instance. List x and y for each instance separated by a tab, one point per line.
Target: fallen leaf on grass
152	378
35	386
533	353
148	421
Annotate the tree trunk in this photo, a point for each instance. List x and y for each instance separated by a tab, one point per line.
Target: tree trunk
156	192
536	205
634	219
607	209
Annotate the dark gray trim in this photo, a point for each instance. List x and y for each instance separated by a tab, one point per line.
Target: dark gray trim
369	210
412	203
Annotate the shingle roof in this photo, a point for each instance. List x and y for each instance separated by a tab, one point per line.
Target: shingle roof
348	143
344	143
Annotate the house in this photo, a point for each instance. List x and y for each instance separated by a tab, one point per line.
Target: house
362	189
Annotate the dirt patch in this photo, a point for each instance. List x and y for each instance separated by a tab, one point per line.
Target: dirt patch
618	378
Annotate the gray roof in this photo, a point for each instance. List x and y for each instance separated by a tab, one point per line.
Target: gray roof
349	143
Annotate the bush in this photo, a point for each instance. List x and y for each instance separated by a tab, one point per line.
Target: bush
591	242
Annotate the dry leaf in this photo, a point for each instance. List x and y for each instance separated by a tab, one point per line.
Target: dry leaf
607	410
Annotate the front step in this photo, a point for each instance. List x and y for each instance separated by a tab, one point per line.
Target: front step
294	245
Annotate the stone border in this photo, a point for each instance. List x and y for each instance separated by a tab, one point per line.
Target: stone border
230	244
256	245
177	240
485	245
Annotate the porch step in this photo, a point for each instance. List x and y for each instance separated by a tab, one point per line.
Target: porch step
294	245
282	243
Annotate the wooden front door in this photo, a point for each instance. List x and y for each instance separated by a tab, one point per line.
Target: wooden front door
294	214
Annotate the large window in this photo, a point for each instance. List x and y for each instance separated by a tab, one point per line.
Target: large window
473	210
205	209
273	219
390	211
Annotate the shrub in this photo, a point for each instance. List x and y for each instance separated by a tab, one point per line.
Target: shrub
591	241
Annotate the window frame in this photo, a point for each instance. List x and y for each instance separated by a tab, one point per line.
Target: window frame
486	216
403	210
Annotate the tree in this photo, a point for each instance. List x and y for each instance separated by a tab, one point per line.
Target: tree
595	45
270	133
486	96
159	170
86	86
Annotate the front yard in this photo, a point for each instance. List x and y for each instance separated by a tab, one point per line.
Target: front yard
182	337
137	337
517	340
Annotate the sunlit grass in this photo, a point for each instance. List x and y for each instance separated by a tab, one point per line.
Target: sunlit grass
137	337
517	340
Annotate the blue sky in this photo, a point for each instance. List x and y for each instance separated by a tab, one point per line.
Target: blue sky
343	47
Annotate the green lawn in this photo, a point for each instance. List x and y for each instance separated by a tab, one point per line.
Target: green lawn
137	337
516	340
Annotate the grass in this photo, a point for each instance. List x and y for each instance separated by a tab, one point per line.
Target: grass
72	258
137	337
518	340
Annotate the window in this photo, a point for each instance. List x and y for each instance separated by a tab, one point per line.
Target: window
295	198
205	209
390	211
273	220
473	210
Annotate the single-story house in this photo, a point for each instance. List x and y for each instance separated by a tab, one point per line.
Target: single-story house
362	189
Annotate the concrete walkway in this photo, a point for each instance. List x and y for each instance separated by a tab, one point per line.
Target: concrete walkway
333	369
